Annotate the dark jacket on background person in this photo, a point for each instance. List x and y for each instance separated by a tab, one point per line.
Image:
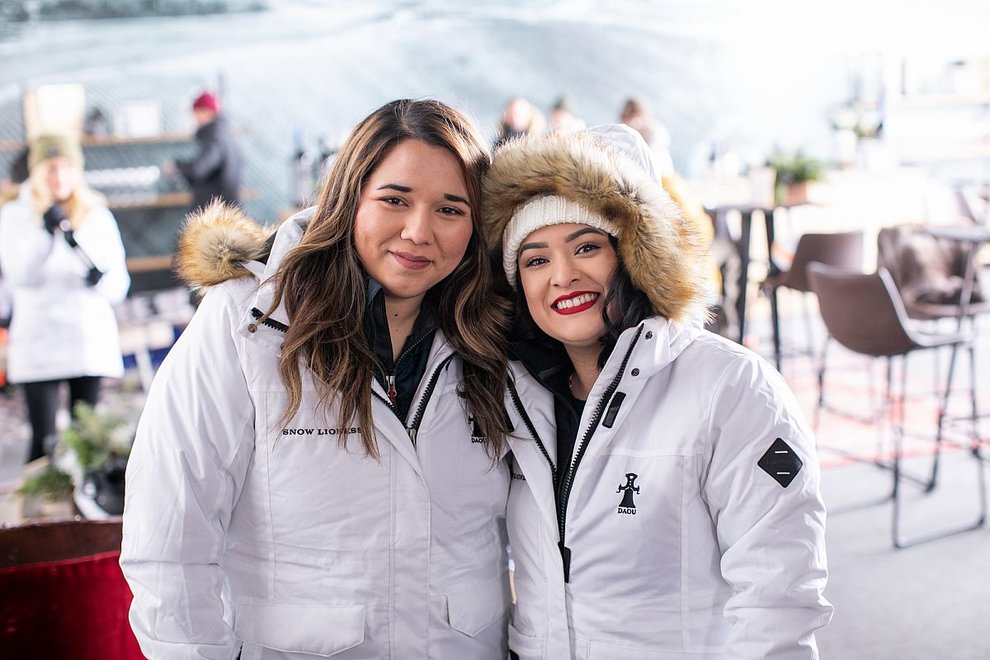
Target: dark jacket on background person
216	171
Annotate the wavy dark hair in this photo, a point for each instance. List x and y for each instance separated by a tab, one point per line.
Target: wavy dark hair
323	284
630	304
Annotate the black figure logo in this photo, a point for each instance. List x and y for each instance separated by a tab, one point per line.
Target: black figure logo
628	489
476	436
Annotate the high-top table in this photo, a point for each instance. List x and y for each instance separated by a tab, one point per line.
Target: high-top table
746	212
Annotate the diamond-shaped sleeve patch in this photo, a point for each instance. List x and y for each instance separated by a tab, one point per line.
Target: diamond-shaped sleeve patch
781	462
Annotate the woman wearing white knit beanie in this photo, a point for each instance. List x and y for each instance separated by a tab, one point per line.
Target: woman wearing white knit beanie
665	498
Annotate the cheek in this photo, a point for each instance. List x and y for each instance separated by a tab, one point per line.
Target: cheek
364	235
531	300
369	226
55	184
534	302
62	181
455	240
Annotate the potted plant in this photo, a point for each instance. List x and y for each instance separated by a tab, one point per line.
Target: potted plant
47	494
794	172
100	444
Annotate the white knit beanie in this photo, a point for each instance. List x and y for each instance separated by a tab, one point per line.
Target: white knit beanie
542	212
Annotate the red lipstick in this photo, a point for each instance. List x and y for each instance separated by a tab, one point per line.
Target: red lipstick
575	303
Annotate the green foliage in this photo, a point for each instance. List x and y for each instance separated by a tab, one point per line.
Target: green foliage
795	168
94	436
50	483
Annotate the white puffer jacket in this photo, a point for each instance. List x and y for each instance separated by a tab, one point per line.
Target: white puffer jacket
694	524
241	531
61	327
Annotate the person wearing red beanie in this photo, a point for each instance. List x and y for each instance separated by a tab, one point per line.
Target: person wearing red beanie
207	101
215	172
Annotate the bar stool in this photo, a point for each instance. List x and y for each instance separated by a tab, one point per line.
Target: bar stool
843	250
865	314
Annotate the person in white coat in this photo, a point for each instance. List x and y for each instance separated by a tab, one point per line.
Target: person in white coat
665	497
64	262
319	469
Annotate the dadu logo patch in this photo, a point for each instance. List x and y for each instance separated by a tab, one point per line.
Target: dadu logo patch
629	490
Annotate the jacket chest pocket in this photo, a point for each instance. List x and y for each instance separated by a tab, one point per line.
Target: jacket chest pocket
454	454
316	469
310	631
630	511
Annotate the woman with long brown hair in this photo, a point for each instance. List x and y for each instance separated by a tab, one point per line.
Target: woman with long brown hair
318	468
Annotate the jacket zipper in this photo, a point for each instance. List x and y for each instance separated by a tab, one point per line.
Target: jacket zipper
413	429
390	377
579	449
390	382
268	322
532	429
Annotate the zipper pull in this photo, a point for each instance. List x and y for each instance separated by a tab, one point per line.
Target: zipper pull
565	555
390	380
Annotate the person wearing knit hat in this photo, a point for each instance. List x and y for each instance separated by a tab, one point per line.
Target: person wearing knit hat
207	102
666	500
64	262
52	146
215	171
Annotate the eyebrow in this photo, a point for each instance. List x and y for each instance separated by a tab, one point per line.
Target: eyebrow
582	232
530	246
457	198
567	239
406	189
395	186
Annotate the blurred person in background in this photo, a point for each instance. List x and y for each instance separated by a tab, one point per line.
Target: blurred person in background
520	117
215	172
63	259
635	114
562	117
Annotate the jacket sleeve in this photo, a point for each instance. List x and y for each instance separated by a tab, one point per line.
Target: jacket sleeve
771	535
205	163
193	445
106	250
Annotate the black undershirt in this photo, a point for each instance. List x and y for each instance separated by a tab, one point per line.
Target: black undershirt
412	362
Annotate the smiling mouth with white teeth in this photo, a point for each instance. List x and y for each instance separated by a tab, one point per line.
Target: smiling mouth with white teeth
576	301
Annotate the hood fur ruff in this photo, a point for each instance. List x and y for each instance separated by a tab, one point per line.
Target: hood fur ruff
664	254
214	243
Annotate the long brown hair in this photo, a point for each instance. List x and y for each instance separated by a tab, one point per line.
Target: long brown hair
324	285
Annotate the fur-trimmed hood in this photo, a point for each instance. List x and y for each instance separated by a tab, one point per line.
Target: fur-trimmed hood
664	254
216	242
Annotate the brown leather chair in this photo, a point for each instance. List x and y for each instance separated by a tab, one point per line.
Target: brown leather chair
843	250
928	272
865	314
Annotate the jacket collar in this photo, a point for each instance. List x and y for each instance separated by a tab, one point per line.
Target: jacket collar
662	341
287	236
